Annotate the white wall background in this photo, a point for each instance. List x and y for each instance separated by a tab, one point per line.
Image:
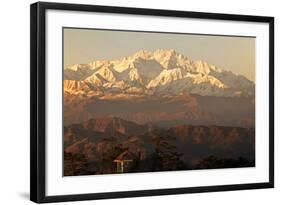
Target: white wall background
14	100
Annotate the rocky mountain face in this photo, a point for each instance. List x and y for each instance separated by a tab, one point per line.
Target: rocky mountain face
154	72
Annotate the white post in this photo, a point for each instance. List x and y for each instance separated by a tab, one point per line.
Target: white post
122	166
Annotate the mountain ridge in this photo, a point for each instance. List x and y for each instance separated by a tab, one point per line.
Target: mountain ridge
158	71
190	142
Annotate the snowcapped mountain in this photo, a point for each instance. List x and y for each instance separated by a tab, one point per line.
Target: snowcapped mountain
154	72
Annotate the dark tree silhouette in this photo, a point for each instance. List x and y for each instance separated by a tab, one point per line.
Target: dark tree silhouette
212	162
167	156
75	164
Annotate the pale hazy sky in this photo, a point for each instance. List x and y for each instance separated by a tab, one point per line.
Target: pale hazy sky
236	54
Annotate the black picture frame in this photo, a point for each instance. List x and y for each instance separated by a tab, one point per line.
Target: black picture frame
38	103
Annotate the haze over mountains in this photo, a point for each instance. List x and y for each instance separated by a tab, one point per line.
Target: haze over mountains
162	87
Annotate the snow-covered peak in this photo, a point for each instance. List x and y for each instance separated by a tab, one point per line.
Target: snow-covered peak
165	77
94	79
134	75
73	67
161	70
107	73
201	67
165	52
143	54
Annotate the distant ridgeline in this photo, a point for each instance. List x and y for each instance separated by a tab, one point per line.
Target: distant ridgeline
113	145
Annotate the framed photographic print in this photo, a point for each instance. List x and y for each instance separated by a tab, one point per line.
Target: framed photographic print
129	102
